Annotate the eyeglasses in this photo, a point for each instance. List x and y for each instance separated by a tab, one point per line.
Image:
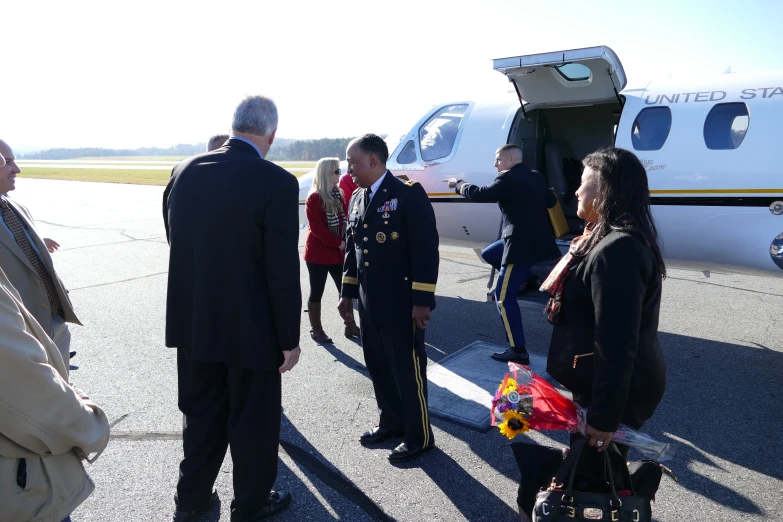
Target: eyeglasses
336	172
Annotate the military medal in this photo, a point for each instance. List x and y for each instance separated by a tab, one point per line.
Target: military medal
380	237
395	235
386	215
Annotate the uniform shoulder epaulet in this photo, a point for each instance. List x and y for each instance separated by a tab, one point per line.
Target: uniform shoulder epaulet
411	183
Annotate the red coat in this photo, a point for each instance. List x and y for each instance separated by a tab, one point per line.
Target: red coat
347	185
322	246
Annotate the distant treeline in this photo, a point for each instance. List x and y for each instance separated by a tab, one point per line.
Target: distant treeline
63	154
310	150
282	150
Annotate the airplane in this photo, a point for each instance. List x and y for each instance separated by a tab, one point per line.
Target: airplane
708	147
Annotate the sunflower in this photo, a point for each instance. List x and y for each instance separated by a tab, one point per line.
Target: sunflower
511	385
514	425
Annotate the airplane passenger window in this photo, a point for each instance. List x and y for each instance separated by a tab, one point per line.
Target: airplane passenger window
651	128
574	72
726	126
439	134
407	154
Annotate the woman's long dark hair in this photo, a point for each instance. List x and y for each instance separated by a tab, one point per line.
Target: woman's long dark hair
623	201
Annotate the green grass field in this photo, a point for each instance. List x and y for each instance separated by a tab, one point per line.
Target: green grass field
112	159
175	159
129	176
134	177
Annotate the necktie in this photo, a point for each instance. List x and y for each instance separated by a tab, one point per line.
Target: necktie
11	219
367	197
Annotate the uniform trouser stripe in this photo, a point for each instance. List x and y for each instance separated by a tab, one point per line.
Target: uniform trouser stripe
425	416
502	307
400	387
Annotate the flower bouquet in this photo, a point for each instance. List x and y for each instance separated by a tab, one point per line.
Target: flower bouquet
525	401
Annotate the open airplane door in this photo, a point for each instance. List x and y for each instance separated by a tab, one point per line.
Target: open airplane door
577	76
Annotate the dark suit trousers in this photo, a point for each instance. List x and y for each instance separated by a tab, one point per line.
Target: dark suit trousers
225	405
397	361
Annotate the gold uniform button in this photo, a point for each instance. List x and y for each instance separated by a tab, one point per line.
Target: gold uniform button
406	278
385	222
366	251
365	225
365	239
366	263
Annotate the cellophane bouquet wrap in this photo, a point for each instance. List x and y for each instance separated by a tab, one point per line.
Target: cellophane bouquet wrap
525	401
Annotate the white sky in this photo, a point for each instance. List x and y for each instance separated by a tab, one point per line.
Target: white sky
131	74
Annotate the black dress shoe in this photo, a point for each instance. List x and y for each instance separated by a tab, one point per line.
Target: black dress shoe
378	435
192	516
278	501
405	452
512	356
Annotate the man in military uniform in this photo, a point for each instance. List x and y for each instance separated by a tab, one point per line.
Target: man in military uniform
391	266
527	237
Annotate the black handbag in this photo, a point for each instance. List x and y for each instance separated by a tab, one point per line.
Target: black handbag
564	505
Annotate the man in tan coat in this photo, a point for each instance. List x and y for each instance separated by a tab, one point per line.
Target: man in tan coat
47	427
24	257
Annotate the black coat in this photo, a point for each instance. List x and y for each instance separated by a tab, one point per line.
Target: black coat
233	287
523	198
610	307
391	253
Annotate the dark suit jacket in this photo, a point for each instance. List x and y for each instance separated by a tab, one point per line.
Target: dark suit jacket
523	198
610	308
391	253
233	290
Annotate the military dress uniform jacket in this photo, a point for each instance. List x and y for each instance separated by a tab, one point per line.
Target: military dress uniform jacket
523	198
391	252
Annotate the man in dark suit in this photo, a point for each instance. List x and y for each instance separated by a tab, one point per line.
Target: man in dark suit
391	266
527	237
232	311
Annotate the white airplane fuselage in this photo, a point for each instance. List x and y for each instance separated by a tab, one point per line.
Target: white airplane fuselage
716	182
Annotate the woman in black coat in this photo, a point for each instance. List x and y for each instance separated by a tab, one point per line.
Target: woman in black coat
607	298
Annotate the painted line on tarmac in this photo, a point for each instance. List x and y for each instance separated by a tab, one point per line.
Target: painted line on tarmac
121	281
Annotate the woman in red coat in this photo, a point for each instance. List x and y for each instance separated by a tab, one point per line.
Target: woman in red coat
324	249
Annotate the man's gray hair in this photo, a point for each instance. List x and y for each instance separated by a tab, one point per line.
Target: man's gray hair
255	115
216	141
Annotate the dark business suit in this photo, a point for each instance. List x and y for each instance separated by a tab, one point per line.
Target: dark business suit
391	264
233	307
523	199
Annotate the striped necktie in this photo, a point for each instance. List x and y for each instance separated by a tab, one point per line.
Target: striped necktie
15	225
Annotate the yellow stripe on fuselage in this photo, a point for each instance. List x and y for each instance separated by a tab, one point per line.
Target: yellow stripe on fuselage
719	191
654	192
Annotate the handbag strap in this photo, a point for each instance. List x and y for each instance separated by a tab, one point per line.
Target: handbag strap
570	465
570	461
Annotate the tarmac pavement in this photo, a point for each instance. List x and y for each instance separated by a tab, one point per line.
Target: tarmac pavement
722	336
